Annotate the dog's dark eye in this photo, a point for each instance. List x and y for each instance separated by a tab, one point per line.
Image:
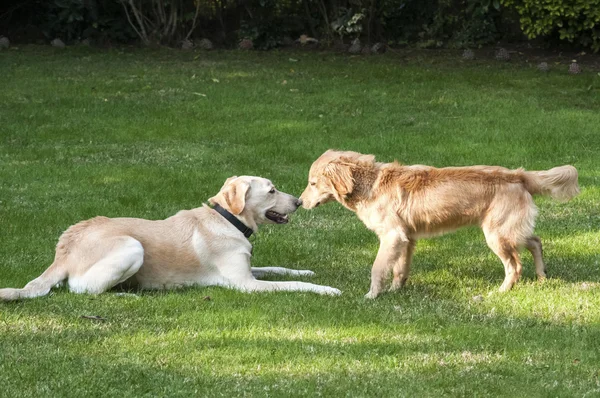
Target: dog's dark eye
313	184
272	190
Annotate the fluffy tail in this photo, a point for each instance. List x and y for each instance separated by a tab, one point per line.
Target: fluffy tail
38	287
559	183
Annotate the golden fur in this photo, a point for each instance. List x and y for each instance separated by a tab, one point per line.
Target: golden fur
404	203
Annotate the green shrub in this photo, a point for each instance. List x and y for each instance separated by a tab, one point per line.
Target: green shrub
269	21
573	20
72	20
434	23
66	19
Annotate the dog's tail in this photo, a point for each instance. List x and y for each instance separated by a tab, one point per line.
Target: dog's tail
559	183
38	287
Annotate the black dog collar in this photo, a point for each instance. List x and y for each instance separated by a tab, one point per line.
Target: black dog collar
233	220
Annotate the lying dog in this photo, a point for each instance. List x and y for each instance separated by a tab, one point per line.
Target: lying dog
203	246
404	203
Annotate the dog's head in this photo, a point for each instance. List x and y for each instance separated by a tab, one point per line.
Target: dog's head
255	200
332	176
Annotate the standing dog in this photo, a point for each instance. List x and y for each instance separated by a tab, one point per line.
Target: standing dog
202	246
402	204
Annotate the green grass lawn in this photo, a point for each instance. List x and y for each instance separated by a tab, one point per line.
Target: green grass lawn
144	134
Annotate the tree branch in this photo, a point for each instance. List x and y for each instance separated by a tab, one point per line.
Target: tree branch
194	21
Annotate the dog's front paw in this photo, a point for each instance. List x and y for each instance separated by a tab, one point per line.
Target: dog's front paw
397	284
331	291
371	295
305	272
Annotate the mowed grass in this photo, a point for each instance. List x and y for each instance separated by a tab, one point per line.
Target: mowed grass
147	133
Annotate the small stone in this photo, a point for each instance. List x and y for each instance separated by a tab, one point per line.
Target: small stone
4	42
502	54
86	42
543	67
468	54
246	44
355	47
574	68
478	298
365	50
378	48
58	43
205	44
187	45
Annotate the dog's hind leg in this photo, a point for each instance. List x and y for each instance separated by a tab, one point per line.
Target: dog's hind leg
534	245
509	255
512	266
121	262
508	227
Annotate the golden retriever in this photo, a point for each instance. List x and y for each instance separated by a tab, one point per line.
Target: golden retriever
402	204
203	246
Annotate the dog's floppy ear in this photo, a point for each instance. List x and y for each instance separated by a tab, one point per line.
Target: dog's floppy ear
340	176
227	181
234	193
341	170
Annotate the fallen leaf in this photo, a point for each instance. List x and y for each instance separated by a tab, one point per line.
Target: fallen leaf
207	298
200	94
215	80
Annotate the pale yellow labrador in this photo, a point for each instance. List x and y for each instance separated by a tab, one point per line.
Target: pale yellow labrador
206	246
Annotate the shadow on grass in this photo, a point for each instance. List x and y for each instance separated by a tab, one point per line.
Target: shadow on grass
423	355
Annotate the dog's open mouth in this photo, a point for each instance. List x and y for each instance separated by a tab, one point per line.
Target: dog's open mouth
276	217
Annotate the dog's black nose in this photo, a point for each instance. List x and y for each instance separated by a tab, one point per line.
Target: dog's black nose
298	202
